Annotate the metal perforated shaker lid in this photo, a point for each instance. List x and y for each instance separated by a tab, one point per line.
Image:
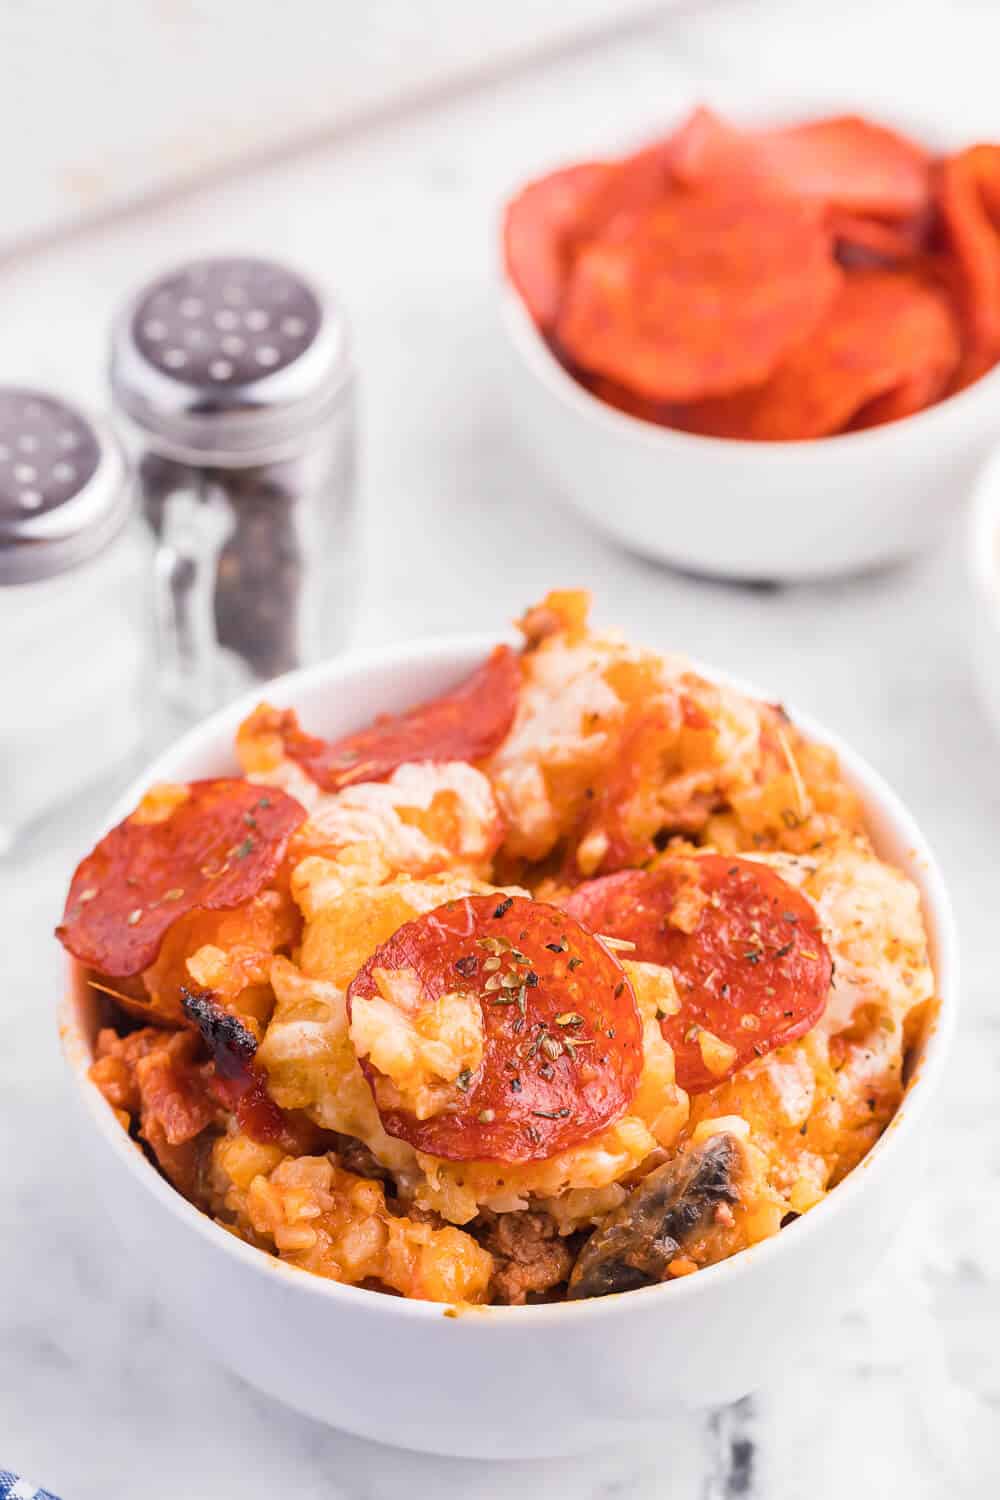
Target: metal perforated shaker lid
230	361
63	495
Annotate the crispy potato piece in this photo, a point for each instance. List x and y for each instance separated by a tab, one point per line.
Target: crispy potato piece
795	800
228	952
330	1222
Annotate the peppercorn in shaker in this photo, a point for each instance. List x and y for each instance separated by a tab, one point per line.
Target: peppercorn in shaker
234	383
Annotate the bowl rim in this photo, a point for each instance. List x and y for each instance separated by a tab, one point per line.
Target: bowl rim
527	338
460	651
791	109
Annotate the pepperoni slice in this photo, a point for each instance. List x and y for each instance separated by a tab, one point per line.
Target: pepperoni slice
216	849
745	949
851	163
968	197
628	189
705	294
845	162
562	1035
535	235
703	143
886	329
466	724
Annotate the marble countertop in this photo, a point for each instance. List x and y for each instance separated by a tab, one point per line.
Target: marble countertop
99	1393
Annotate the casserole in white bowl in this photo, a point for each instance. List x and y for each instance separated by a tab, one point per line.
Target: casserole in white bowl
508	1381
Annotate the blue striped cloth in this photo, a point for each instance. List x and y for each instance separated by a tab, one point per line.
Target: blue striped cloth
12	1488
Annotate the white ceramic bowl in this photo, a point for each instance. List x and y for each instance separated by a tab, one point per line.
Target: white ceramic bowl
747	510
983	555
504	1382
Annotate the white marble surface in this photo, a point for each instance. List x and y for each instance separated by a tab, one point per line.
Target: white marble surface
99	1394
233	82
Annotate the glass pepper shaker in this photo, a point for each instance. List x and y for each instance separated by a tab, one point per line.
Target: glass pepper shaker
234	383
73	570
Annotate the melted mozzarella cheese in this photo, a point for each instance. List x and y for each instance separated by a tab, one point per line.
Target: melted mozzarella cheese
457	1190
343	933
382	814
564	702
872	924
288	776
311	1064
659	1102
566	712
420	1047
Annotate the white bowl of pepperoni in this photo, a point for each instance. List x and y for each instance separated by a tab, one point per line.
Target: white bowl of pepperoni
765	351
572	1007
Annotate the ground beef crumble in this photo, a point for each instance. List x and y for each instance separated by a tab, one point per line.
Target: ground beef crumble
531	1257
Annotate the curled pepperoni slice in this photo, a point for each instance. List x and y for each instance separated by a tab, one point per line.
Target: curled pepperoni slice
851	163
968	197
562	1037
466	724
748	958
535	235
886	330
628	189
843	162
214	850
704	294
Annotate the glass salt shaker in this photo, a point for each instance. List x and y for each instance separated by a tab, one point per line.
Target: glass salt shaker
234	382
73	566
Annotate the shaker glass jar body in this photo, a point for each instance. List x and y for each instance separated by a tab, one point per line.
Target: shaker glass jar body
253	568
74	566
75	679
235	392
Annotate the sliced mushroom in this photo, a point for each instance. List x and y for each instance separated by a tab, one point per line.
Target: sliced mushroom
635	1244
